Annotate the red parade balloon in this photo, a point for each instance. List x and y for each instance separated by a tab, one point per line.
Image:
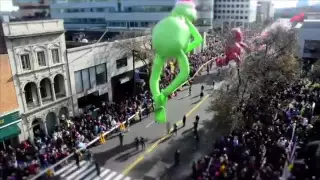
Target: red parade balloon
237	34
233	51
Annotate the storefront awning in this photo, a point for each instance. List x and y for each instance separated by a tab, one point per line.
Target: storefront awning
9	132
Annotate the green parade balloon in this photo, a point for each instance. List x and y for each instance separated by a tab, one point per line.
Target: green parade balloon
173	37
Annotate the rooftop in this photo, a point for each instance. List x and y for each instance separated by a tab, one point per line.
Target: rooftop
77	39
97	45
32	28
311	23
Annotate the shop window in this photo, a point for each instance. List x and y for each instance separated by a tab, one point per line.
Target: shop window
92	75
121	63
101	74
78	81
85	79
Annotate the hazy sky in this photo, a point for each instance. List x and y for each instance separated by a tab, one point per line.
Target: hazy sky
6	5
290	3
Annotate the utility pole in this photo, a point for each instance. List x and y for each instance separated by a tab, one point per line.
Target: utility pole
134	71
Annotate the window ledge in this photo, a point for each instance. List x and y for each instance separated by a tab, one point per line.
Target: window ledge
24	72
44	106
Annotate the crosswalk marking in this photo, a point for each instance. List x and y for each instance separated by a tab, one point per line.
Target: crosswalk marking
92	175
64	168
119	177
80	170
103	173
87	171
110	176
72	169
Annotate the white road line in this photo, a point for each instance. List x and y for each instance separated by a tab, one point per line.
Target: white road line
74	174
150	124
110	176
86	172
103	173
72	169
119	177
127	178
93	175
64	168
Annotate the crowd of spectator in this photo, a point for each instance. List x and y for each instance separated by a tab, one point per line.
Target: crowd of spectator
267	148
74	132
213	49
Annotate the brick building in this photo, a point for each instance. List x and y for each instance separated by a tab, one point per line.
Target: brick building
10	122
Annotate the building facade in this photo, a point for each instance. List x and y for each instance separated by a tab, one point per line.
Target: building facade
121	15
37	54
10	122
309	39
32	8
265	11
234	13
100	71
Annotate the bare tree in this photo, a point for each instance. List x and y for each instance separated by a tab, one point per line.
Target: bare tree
314	72
262	73
137	44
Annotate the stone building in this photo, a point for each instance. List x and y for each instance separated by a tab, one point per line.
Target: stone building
37	54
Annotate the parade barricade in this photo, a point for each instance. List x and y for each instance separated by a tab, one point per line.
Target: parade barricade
66	160
50	170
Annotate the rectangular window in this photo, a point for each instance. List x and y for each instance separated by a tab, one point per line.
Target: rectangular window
101	74
78	81
85	79
92	75
41	58
55	56
121	63
100	9
25	62
311	46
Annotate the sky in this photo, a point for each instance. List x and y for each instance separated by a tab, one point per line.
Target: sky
290	3
6	5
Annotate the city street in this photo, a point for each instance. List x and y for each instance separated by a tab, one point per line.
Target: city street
124	159
127	162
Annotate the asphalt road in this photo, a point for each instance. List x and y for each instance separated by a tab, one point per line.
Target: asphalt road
136	163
